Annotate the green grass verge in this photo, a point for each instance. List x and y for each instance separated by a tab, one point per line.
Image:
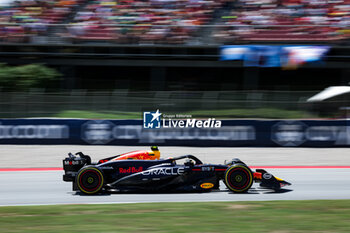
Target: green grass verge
268	113
272	216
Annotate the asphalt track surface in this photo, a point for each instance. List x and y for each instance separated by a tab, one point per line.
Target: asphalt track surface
12	156
47	187
314	173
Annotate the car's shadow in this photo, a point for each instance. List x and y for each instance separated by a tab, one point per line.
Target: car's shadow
277	191
268	191
251	191
90	195
260	191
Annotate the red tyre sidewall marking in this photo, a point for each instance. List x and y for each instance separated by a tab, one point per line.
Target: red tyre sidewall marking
99	180
235	169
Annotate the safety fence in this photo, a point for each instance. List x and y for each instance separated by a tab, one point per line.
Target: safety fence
219	104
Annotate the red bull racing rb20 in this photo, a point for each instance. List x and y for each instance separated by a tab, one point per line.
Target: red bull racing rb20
143	171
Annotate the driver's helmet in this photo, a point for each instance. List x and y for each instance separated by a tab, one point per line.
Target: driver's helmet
189	162
155	151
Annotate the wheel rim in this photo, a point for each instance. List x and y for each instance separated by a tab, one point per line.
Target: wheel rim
90	180
239	178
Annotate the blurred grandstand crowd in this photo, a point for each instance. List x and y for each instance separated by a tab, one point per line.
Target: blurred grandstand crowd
174	21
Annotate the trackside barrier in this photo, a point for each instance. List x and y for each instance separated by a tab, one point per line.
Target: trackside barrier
269	133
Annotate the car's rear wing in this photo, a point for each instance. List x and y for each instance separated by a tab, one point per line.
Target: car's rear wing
72	164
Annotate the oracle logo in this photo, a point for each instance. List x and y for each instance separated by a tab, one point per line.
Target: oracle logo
164	171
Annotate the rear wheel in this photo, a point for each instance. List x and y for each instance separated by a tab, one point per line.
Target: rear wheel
238	178
90	180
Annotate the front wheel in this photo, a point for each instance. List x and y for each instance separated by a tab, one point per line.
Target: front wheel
90	180
238	178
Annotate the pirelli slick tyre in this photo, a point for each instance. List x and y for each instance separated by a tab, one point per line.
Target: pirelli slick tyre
90	180
238	178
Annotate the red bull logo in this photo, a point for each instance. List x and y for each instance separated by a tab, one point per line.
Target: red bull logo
130	170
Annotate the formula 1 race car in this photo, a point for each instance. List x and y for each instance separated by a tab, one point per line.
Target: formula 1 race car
142	171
